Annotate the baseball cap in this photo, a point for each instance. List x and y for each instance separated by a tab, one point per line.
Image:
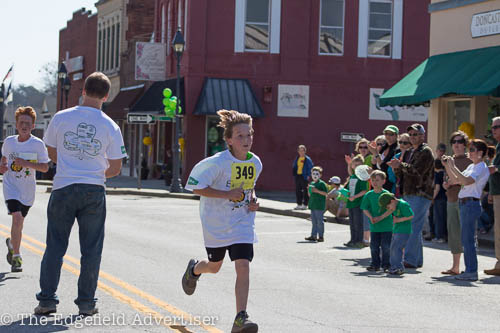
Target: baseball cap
416	127
385	198
335	180
441	146
391	128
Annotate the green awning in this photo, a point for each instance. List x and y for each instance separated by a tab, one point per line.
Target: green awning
474	72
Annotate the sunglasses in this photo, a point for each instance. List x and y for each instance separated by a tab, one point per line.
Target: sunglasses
462	141
495	127
472	149
363	147
404	142
389	133
414	134
380	144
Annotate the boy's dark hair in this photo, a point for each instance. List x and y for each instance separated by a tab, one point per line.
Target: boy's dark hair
97	85
379	173
26	111
438	164
317	168
480	145
228	119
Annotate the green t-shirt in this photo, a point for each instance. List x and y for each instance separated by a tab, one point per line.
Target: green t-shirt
495	178
368	160
355	186
370	203
403	209
316	200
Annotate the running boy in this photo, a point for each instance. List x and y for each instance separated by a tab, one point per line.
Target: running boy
318	192
357	189
225	183
22	155
402	216
381	226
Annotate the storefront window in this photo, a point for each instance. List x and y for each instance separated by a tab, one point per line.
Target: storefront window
215	137
458	113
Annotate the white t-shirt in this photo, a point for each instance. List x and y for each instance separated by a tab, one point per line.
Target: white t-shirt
19	183
226	222
85	138
480	173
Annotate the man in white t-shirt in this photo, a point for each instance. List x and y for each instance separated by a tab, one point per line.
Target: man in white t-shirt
225	183
88	147
22	155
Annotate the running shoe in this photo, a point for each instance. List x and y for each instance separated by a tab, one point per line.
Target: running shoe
311	239
243	324
45	310
88	313
17	265
10	251
189	280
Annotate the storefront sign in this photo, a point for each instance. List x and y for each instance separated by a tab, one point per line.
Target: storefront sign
150	61
485	24
74	64
395	113
293	101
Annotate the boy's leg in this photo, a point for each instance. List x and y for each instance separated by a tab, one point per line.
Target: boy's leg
298	190
314	222
351	224
320	224
16	232
195	268
386	248
242	285
375	249
205	266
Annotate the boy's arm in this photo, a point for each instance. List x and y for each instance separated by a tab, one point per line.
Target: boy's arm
42	167
360	194
369	215
52	153
383	216
3	165
234	194
402	219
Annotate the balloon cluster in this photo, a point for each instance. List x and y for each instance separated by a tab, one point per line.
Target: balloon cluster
170	103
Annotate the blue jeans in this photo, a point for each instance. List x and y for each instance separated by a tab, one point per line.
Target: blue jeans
469	212
356	224
397	246
440	229
414	253
318	226
86	203
380	240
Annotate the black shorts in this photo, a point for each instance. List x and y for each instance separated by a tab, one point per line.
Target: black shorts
236	251
16	206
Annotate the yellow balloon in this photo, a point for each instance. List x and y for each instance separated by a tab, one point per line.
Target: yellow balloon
148	141
467	128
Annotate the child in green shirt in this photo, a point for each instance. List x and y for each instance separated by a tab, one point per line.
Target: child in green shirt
381	226
357	189
317	204
402	216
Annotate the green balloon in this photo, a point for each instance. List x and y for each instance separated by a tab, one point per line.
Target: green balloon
166	101
173	104
180	110
170	113
167	92
166	110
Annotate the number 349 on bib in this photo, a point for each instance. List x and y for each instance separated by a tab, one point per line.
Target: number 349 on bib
243	173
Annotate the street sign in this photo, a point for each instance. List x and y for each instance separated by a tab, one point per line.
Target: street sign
351	137
162	118
134	118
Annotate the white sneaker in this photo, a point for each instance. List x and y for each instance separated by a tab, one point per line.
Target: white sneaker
304	207
298	207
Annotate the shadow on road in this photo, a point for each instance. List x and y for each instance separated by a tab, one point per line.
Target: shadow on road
490	280
44	324
345	248
451	280
4	276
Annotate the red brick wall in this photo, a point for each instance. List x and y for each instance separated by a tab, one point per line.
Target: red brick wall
79	37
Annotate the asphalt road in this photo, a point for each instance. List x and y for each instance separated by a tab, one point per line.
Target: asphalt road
296	286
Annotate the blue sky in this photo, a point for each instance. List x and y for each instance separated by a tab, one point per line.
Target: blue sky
30	34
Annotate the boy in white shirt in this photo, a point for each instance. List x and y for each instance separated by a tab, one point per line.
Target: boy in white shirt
22	155
225	183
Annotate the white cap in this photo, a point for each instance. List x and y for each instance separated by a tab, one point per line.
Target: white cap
335	180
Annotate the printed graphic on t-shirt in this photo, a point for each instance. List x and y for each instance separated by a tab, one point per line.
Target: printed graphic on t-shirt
83	141
19	172
243	176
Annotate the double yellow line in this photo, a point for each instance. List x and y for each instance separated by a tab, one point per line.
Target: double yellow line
29	243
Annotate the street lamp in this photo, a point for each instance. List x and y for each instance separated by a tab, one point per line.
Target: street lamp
66	87
61	75
178	46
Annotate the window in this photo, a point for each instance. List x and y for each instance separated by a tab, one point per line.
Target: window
380	28
163	24
112	47
108	33
117	54
257	25
331	34
99	49
169	28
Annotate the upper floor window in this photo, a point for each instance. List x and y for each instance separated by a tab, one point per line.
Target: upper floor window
163	24
380	28
257	25
331	31
108	45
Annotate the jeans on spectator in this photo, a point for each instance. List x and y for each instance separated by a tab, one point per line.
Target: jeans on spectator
301	191
356	224
469	212
86	203
486	218
414	254
430	219
440	218
366	223
318	226
381	240
398	244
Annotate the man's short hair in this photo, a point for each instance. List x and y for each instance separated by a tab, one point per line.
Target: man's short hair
97	85
26	111
379	173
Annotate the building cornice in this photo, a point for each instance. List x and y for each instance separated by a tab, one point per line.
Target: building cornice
450	4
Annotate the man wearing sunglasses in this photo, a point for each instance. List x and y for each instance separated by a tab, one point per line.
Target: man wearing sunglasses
387	153
495	193
417	190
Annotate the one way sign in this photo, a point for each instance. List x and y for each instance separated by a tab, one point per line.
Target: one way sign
351	137
134	118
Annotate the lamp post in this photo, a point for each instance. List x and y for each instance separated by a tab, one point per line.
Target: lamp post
178	46
66	87
61	75
2	92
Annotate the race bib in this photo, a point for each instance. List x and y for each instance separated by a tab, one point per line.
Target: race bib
243	173
30	157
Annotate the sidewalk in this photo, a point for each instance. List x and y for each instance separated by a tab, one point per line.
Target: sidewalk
273	202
